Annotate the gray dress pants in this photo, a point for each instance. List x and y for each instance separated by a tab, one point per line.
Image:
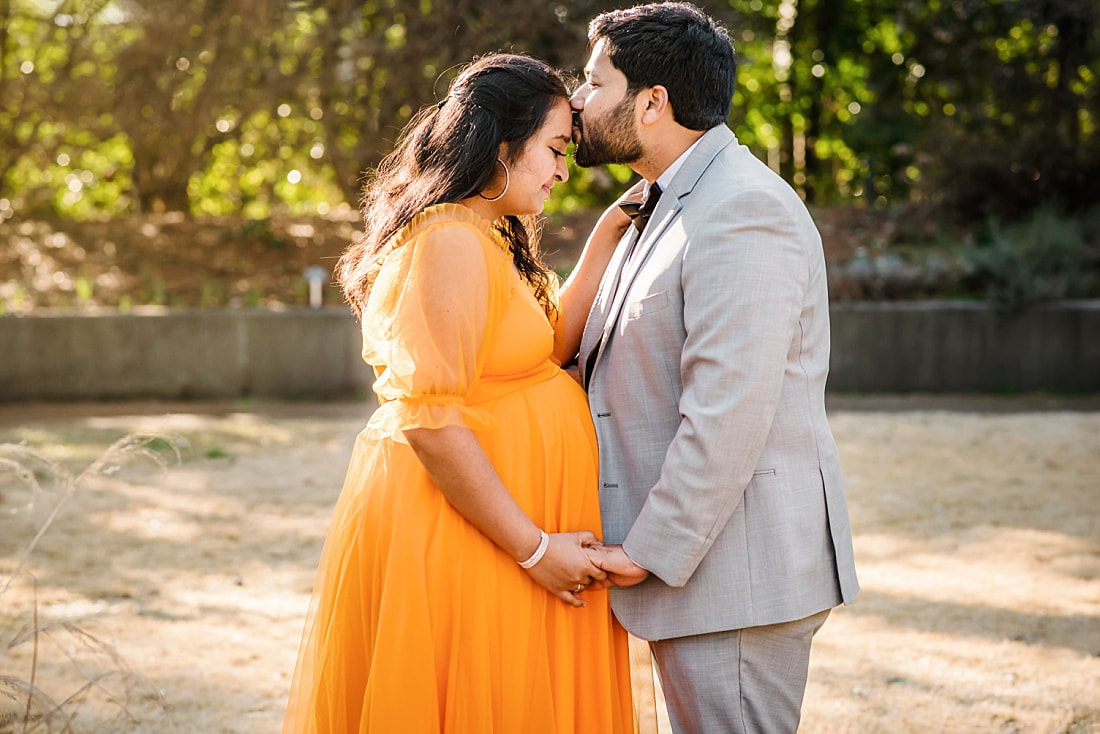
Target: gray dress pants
747	681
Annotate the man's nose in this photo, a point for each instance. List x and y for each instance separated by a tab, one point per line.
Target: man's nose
577	100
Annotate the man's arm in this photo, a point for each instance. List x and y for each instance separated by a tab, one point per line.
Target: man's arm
744	276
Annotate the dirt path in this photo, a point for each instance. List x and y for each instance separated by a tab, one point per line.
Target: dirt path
977	536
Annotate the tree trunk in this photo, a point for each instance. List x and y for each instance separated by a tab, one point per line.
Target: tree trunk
160	180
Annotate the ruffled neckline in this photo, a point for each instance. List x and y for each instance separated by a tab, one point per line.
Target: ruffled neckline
444	213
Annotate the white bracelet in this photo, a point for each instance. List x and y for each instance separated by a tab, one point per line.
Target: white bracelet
544	543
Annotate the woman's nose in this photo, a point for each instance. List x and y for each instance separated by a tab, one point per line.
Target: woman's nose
562	172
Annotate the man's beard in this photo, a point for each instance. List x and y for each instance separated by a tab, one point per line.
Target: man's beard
609	139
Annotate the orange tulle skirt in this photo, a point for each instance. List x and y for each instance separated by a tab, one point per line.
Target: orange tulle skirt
420	624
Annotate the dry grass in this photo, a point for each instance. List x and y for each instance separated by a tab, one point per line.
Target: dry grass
102	679
976	529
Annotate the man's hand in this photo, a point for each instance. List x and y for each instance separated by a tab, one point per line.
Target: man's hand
621	571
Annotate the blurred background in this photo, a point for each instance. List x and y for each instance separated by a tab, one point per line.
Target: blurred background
169	171
206	152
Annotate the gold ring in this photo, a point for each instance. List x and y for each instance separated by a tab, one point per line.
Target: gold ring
579	589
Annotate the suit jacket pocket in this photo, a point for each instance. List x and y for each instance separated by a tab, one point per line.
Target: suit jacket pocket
645	306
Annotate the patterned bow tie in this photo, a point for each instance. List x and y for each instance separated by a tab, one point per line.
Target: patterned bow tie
640	211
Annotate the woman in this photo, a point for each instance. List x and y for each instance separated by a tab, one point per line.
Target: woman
452	591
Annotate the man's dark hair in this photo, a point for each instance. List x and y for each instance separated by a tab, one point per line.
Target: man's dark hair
677	46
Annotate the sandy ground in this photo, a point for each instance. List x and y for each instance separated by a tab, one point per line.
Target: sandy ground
180	594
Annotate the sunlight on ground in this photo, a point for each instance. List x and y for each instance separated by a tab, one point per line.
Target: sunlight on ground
977	543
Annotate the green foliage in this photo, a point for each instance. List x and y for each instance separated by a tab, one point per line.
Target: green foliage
1006	109
212	294
1048	256
588	188
260	229
274	162
84	290
252	108
60	148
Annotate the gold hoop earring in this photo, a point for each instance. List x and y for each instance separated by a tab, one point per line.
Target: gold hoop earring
507	181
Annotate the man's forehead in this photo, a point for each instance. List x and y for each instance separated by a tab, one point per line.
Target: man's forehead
598	61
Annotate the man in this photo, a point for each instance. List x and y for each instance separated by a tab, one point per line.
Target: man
705	357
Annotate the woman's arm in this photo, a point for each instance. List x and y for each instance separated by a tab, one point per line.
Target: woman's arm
579	291
459	467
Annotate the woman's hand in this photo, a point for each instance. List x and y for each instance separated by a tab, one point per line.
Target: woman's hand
566	570
614	222
614	213
579	291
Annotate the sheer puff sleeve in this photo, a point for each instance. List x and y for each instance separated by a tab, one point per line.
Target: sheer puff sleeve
423	329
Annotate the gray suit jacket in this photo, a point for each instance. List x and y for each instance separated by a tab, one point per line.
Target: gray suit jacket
718	471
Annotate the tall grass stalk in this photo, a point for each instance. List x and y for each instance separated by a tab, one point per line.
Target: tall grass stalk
24	707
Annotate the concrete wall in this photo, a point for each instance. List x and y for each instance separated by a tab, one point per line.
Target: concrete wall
218	353
954	346
182	354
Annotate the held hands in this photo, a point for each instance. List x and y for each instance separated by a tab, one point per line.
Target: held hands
567	570
620	570
577	561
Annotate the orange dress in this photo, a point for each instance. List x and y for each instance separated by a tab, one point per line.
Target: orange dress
419	623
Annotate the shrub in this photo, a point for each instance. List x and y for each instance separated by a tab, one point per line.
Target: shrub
1048	256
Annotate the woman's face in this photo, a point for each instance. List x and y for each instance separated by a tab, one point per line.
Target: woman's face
539	166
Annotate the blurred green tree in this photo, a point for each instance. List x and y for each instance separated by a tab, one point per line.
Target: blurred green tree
376	63
196	71
1007	100
58	138
976	107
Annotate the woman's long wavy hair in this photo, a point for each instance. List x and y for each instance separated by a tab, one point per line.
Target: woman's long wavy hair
448	152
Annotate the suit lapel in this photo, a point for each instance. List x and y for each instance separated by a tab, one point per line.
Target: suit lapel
662	216
621	274
592	336
613	290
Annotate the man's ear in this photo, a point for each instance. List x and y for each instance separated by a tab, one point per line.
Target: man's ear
656	104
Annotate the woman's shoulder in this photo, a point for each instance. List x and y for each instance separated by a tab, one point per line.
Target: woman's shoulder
446	240
448	223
